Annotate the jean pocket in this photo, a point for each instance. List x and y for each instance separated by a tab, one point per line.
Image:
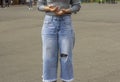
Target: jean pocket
48	24
47	20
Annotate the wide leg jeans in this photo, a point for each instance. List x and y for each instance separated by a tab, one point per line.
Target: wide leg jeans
57	42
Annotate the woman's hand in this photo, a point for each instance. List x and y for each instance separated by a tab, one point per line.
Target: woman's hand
59	13
62	12
56	10
51	8
67	11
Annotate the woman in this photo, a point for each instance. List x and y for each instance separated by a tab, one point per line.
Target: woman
58	37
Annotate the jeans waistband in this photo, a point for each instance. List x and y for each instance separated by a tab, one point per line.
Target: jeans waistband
63	17
52	13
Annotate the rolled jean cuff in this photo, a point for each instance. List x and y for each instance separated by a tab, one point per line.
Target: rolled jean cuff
49	80
67	80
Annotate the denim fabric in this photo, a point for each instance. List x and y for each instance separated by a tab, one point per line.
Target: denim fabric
58	42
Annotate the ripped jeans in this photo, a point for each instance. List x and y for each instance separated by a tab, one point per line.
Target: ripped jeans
58	42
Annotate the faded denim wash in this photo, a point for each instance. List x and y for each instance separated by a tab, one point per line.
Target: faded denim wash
58	42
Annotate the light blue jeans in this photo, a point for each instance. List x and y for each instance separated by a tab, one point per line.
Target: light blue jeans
58	42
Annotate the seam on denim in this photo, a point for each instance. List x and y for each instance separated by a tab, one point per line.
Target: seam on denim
67	80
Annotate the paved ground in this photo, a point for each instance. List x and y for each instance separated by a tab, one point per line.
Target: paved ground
96	53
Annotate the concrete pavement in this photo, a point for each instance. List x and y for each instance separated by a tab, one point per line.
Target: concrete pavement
96	52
